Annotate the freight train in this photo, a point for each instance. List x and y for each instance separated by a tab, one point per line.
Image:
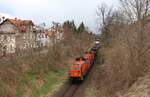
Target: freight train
81	66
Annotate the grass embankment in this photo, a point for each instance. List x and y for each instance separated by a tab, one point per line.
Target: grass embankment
31	76
32	85
45	86
34	76
53	80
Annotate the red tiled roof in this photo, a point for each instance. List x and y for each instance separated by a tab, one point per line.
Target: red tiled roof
50	34
21	24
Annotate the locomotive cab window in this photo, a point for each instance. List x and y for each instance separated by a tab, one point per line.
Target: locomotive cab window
75	67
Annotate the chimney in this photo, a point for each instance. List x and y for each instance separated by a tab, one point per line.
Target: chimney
3	17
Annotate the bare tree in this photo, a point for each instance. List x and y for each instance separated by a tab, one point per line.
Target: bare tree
110	23
136	9
104	17
105	13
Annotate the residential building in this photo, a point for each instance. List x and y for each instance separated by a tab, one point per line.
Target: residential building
16	35
47	37
43	39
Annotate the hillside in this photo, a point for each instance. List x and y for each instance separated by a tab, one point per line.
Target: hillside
114	80
141	88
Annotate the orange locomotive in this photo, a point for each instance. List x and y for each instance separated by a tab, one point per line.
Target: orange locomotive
81	66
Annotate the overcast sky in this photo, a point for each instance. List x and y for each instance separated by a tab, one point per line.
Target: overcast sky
54	10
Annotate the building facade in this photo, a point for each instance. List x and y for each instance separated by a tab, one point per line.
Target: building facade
16	35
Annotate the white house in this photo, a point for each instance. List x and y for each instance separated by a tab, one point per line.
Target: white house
43	39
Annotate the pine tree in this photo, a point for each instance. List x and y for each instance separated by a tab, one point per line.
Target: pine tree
81	28
70	26
73	26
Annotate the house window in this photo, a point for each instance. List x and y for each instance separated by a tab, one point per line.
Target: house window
11	48
5	37
24	37
25	46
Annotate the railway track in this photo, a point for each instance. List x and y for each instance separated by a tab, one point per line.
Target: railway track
69	90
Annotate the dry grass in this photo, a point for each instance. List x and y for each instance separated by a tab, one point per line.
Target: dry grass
140	88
